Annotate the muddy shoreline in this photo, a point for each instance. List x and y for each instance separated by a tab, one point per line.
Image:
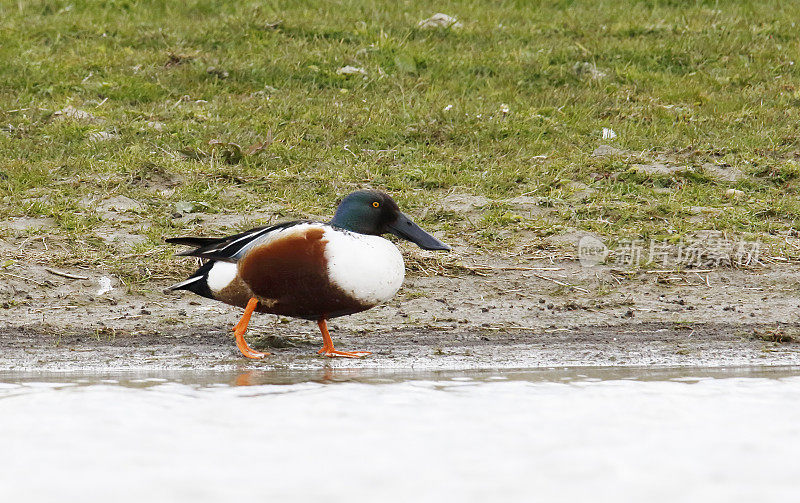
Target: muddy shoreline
209	348
481	310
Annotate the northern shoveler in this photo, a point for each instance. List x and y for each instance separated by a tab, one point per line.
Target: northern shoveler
311	270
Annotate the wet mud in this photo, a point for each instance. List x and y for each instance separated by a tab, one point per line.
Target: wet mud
210	348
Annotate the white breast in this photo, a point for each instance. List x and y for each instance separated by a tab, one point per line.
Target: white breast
369	268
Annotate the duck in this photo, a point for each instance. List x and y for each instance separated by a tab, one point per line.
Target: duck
307	269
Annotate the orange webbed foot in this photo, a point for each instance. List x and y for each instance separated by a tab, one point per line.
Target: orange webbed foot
240	329
246	350
327	345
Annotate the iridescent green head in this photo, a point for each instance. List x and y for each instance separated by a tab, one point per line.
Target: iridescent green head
374	212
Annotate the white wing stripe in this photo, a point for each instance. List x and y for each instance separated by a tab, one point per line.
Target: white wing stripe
249	235
235	248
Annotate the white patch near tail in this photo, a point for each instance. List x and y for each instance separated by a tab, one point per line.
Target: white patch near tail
368	268
221	275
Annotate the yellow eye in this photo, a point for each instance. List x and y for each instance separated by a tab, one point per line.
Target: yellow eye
376	204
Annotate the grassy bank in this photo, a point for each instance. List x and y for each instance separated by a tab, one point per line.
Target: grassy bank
196	108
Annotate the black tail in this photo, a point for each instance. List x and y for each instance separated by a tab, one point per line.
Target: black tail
197	282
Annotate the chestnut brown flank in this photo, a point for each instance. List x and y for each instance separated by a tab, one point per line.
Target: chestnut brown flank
290	278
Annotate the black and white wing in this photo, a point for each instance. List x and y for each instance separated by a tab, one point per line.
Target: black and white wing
230	248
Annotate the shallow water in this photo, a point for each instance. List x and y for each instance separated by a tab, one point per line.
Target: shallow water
603	434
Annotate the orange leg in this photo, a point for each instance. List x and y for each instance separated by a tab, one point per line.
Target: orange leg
241	328
327	344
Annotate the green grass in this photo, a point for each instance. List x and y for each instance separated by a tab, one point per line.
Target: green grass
698	82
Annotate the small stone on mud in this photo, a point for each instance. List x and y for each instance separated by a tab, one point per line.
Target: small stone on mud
105	285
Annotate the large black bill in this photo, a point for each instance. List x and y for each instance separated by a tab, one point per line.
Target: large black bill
404	228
